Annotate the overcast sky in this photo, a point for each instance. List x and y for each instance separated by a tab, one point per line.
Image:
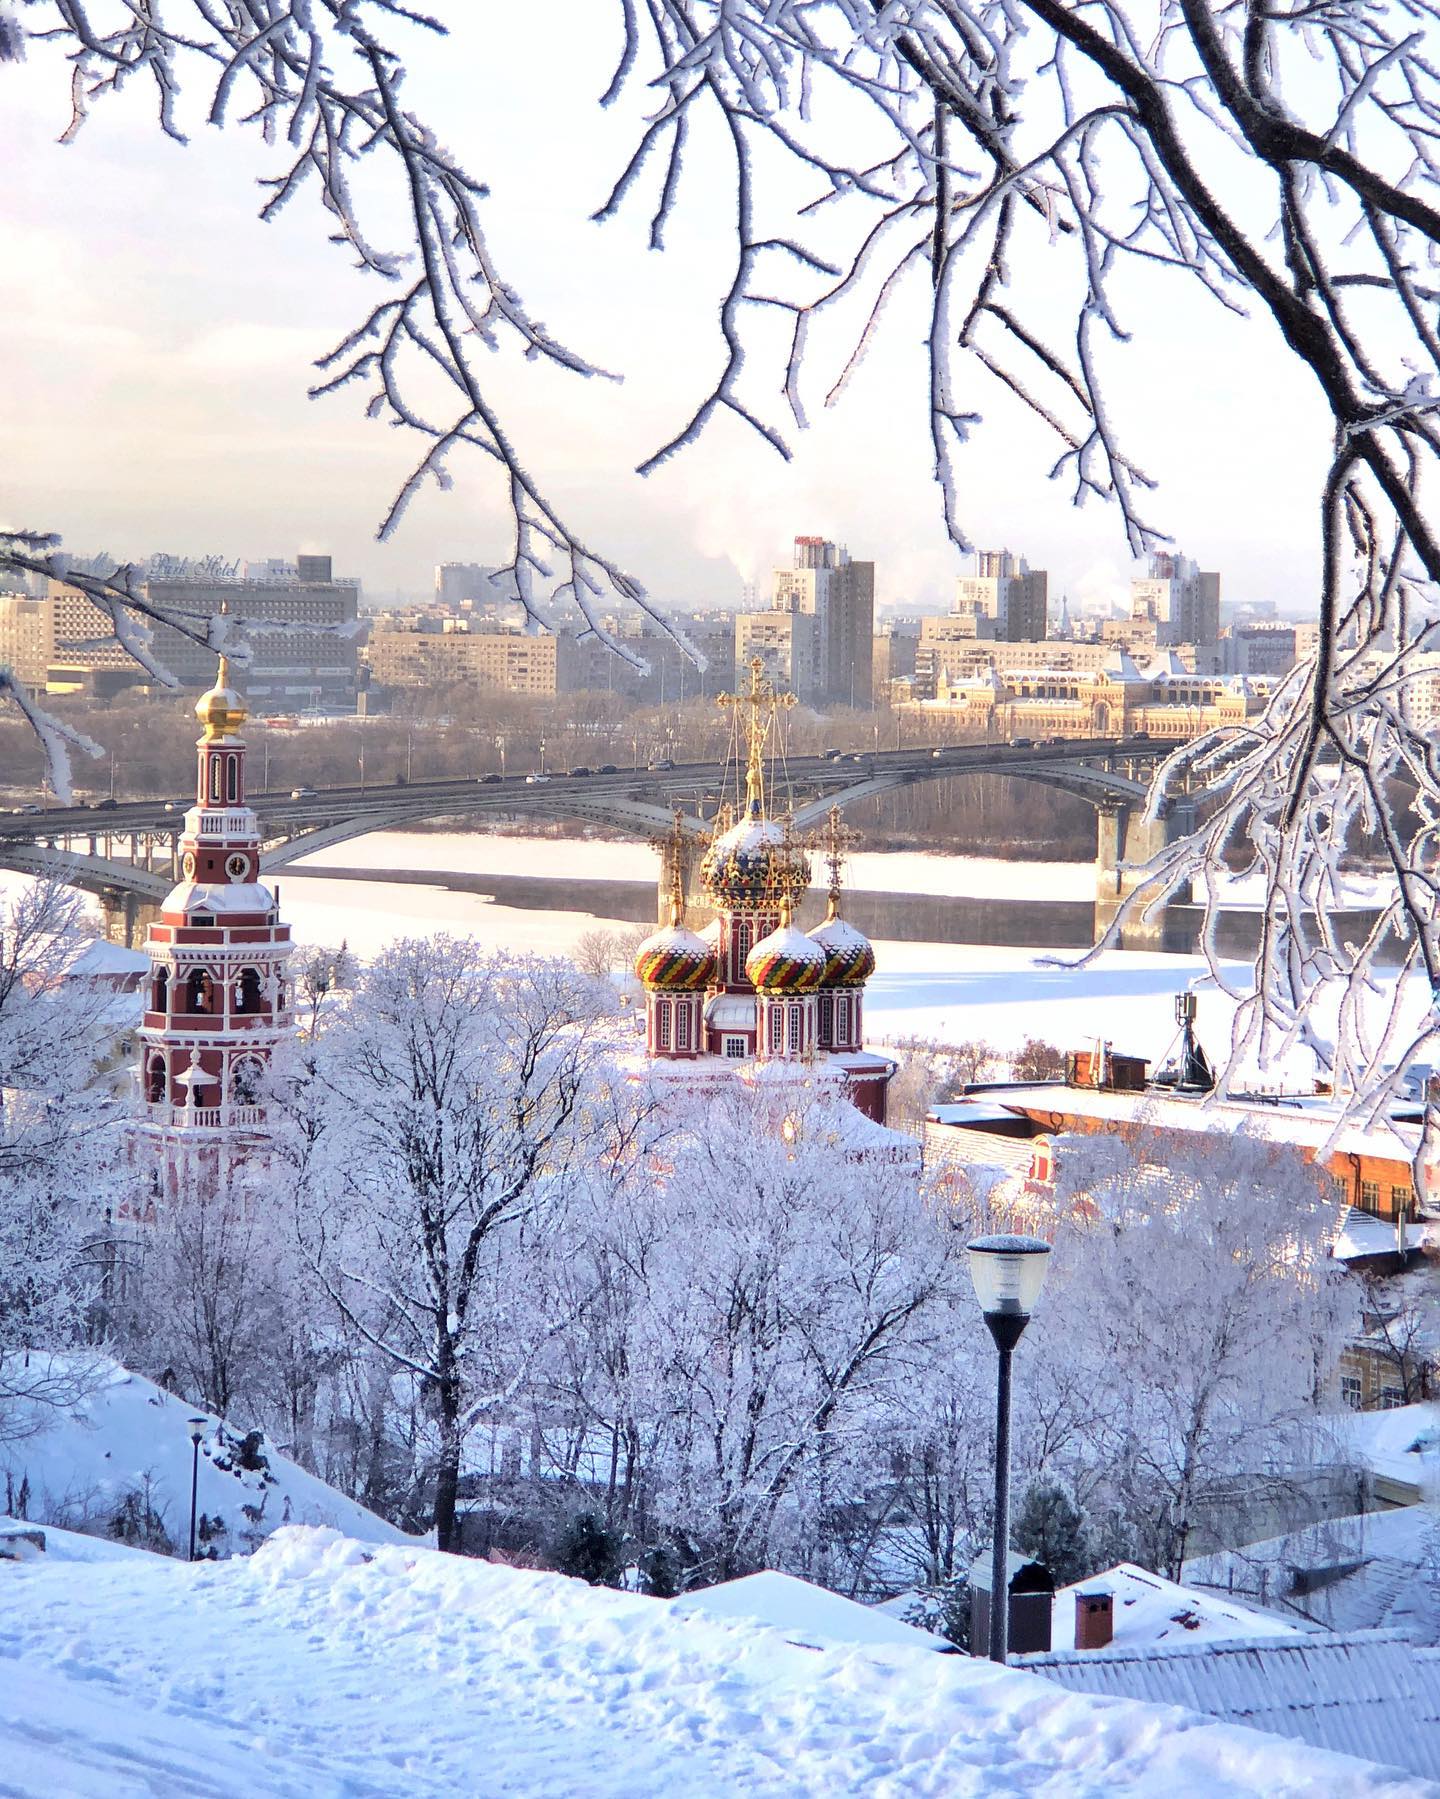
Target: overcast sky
158	341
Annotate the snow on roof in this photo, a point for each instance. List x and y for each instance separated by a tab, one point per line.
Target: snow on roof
320	1668
1363	1234
1150	1609
1369	1571
805	1613
124	1434
1312	1122
103	960
1402	1444
1372	1694
969	1112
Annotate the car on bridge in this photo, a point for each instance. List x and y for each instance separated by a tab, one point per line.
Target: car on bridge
534	780
490	780
607	768
662	762
302	793
582	769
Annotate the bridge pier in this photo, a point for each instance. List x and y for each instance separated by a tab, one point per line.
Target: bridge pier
127	917
1125	840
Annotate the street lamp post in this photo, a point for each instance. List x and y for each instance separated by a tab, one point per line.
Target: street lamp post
1008	1273
197	1431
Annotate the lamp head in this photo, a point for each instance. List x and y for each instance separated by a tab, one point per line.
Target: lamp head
197	1429
1008	1272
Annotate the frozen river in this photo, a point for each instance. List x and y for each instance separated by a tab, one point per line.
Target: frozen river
945	991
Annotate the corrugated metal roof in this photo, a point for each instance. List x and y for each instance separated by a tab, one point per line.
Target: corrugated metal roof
1370	1694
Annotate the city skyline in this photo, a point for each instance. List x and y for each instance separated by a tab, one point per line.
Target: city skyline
165	405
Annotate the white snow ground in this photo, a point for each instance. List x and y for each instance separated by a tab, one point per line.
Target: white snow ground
321	1668
128	1436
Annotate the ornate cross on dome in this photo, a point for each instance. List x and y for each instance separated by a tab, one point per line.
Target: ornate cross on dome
672	852
761	704
836	842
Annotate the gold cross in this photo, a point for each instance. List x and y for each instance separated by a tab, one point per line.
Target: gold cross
837	840
761	703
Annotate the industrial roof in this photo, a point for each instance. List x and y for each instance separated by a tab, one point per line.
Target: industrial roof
1371	1694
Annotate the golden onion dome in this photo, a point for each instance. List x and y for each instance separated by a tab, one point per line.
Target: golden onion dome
221	711
752	865
674	959
850	957
787	961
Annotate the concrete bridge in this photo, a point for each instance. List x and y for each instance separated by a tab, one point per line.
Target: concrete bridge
128	854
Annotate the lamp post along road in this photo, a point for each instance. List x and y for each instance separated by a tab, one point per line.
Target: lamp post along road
197	1431
1008	1273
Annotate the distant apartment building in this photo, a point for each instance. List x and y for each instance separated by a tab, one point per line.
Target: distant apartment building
290	667
469	582
497	661
27	638
1258	649
893	657
831	645
784	644
1181	600
1005	591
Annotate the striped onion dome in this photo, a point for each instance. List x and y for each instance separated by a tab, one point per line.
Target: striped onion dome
753	865
851	959
675	960
786	961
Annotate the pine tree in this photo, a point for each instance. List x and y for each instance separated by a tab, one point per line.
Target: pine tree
590	1550
1051	1528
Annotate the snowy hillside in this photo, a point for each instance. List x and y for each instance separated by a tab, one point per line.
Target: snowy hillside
319	1667
125	1448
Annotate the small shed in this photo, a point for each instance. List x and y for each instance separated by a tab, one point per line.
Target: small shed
1031	1597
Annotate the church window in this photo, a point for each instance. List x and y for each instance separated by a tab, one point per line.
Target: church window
842	1018
735	1048
249	991
160	995
214	777
794	1030
662	1023
232	778
682	1024
199	991
741	946
155	1080
825	1021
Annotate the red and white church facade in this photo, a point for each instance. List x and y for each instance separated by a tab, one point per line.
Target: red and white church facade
218	995
754	998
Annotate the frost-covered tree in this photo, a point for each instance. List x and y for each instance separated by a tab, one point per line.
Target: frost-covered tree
459	1096
1196	1299
778	1291
60	1166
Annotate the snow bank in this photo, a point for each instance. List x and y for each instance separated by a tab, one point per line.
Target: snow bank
127	1438
322	1667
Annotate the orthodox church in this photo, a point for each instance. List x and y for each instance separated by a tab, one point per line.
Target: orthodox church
217	994
754	997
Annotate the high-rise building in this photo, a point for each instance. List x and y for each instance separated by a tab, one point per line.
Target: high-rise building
1006	590
1179	598
27	638
458	583
837	597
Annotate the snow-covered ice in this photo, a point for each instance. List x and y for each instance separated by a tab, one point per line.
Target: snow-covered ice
321	1667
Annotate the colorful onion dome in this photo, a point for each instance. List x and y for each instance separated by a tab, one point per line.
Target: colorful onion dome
754	864
674	959
786	961
850	957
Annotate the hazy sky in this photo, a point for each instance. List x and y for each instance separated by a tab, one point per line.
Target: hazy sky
157	343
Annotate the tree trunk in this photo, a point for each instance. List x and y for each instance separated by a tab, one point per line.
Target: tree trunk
447	1467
